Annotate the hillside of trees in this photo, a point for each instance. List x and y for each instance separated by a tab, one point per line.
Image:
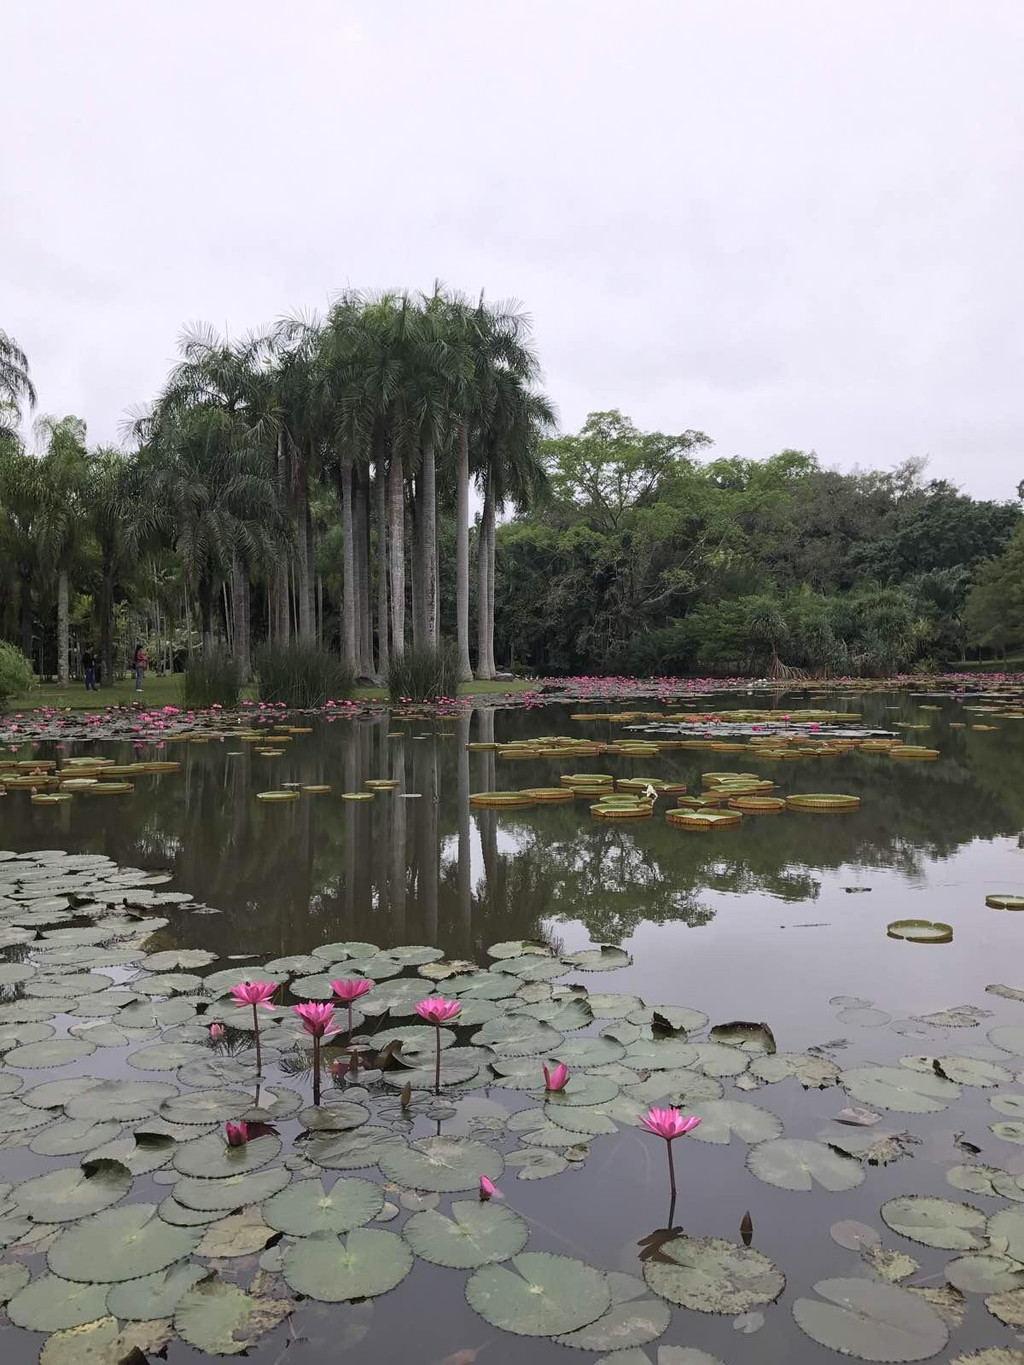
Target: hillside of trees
390	476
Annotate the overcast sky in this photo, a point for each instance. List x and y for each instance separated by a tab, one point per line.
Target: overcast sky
797	223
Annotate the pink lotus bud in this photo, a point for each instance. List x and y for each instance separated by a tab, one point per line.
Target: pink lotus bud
216	1032
236	1134
556	1078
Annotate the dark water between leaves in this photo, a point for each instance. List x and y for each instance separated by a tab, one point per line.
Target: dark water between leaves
782	920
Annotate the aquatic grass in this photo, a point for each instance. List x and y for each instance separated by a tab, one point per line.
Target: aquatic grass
302	675
424	673
211	680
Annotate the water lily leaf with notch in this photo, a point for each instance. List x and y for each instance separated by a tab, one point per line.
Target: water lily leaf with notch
720	1119
988	1180
306	1207
588	1052
443	1165
537	1163
532	967
220	1072
165	1056
50	1304
211	1158
105	1004
458	1066
613	1006
298	964
232	1191
665	1020
1012	1130
1008	1104
67	985
274	1105
341	952
218	983
874	1147
960	1070
168	983
155	1013
54	1052
899	1088
984	1274
352	1151
667	1355
142	1154
100	1343
17	1117
751	1037
413	954
13	972
711	1275
581	1089
516	947
476	1234
221	1319
332	1269
648	1054
484	986
205	1106
177	959
564	1015
936	1222
1008	1225
539	1294
606	958
474	1013
416	1039
582	1120
74	1192
799	1164
813	1073
719	1059
181	1216
1008	1037
339	1116
631	1321
871	1321
13	1279
517	1036
239	1234
677	1086
1008	1307
106	1034
119	1244
56	1094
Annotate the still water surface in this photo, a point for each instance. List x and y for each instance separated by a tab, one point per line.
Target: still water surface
771	922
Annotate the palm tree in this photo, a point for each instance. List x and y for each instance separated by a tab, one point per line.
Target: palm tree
15	383
20	496
120	511
61	524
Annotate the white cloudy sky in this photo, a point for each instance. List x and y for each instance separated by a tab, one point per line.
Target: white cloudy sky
796	223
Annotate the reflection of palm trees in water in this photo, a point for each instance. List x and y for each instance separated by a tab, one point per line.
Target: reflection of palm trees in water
464	871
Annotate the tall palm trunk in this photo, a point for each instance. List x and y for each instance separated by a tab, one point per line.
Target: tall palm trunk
359	510
380	519
484	650
62	628
107	625
491	666
240	603
26	615
348	625
206	612
396	519
428	561
465	863
304	584
283	602
416	561
462	551
311	561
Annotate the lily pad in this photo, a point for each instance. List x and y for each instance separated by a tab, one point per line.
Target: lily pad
125	1100
119	1244
537	1163
1008	1225
101	1343
206	1106
140	1154
588	1052
153	1296
984	1274
813	1073
899	1088
211	1158
1008	1307
871	1321
232	1191
988	1180
799	1164
514	1035
476	1234
603	959
221	1319
72	1192
632	1320
539	1294
306	1208
164	1056
13	1279
239	1234
936	1222
332	1269
441	1164
960	1070
55	1052
720	1119
351	1151
711	1275
50	1304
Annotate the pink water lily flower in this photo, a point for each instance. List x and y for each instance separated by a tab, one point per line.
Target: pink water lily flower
254	993
236	1134
556	1078
316	1018
436	1010
669	1123
350	990
216	1032
488	1190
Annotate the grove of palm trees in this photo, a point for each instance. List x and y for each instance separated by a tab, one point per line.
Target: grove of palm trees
309	483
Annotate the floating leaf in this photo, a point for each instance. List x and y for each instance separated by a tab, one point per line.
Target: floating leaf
210	1157
936	1222
873	1147
240	1234
230	1192
50	1304
871	1321
220	1319
441	1164
100	1343
750	1037
984	1274
853	1235
539	1294
206	1106
537	1163
889	1265
1008	1307
898	1088
119	1244
799	1164
352	1151
631	1321
986	1180
13	1279
720	1119
1008	1225
65	1195
125	1100
476	1234
960	1070
1012	1130
55	1052
813	1073
513	1035
603	959
711	1275
588	1052
306	1208
334	1116
332	1269
164	1056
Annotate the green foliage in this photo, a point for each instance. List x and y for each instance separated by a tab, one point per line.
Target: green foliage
424	673
211	680
16	674
301	674
995	606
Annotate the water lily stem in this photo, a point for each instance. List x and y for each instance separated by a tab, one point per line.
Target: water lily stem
349	1038
671	1169
256	1030
316	1070
437	1068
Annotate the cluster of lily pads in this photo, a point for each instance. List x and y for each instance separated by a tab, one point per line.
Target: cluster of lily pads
159	1173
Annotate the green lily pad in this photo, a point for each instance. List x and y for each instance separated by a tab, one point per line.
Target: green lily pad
632	1320
154	1296
119	1244
677	1086
1008	1104
476	1234
13	1279
720	1059
55	1052
1008	1224
564	1015
664	1054
416	1039
335	1117
1008	1037
899	1088
984	1274
155	1013
458	1065
441	1164
483	986
532	967
871	1321
988	1180
177	958
332	1269
50	1304
168	983
1012	1130
710	1275
206	1106
232	1191
125	1100
961	1070
141	1155
13	972
164	1056
580	1090
71	1193
242	1233
517	1036
720	1119
211	1158
537	1163
352	1151
221	1319
603	959
936	1222
588	1052
613	1006
799	1164
813	1073
1008	1307
101	1343
305	1207
539	1294
667	1355
582	1120
17	1117
181	1216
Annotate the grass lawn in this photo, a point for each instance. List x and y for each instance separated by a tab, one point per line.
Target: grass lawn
166	691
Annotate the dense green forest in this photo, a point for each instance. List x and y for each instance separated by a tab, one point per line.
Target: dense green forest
314	483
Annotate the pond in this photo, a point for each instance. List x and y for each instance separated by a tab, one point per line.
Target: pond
782	920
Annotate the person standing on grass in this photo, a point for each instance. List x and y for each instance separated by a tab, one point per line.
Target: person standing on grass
89	669
139	663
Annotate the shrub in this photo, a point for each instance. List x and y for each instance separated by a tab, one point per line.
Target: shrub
211	680
15	672
425	673
301	674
